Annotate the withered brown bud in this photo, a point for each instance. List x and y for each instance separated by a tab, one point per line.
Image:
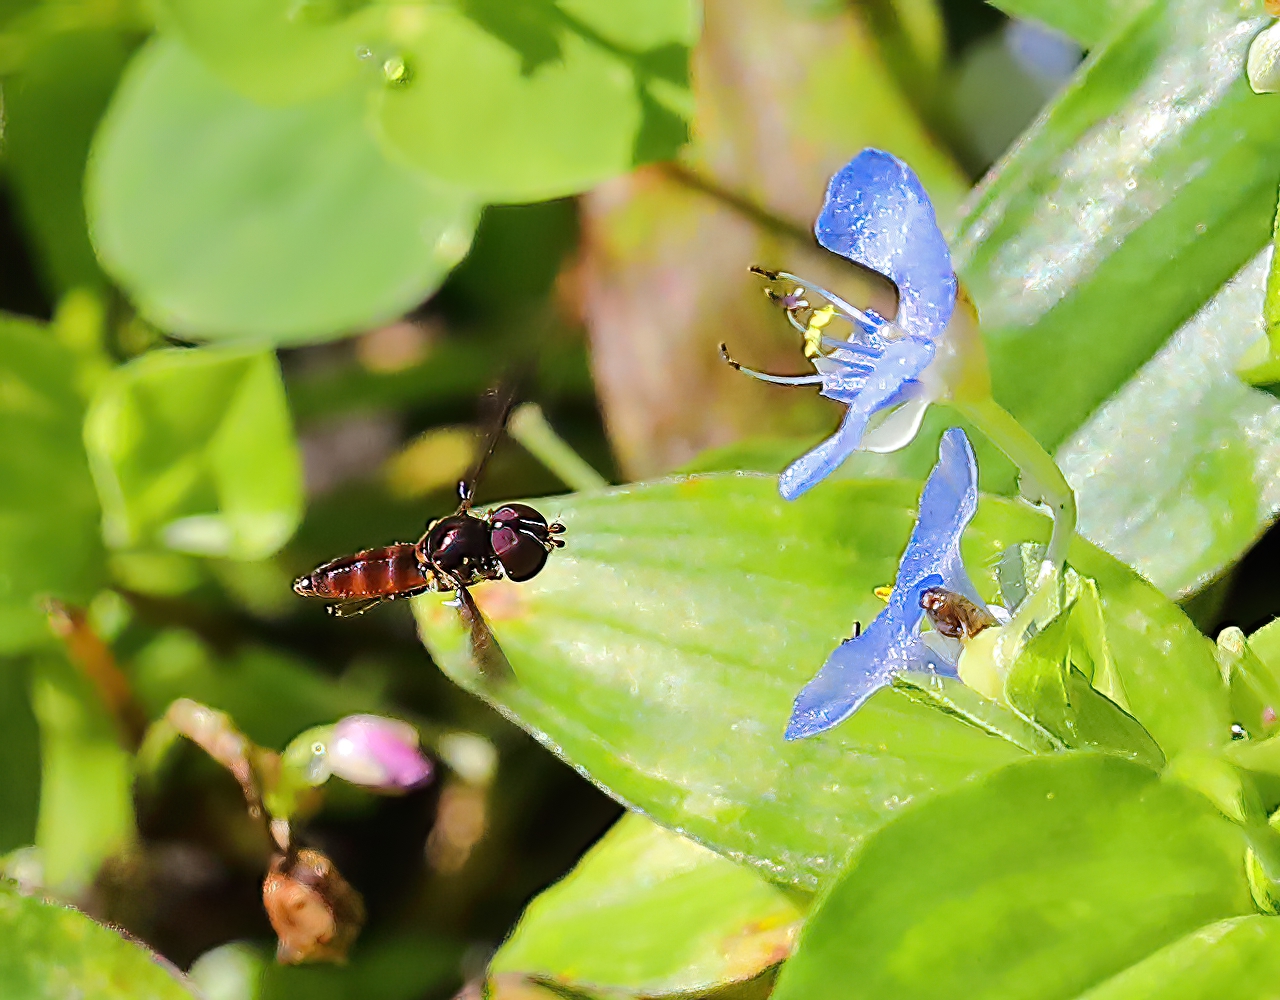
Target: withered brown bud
312	908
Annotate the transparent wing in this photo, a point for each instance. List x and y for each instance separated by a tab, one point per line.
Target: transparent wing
495	410
488	656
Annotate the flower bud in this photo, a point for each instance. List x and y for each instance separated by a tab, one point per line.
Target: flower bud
378	753
314	911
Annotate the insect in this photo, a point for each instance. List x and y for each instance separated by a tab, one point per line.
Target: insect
454	553
954	615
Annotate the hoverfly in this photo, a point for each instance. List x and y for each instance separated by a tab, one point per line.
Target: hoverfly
454	553
954	615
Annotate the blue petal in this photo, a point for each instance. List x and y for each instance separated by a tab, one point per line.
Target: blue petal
947	505
878	214
903	361
892	643
860	667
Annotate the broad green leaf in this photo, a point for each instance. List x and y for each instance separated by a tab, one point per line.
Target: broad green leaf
192	449
49	519
1036	882
1136	196
1212	482
1087	21
662	649
271	696
520	100
86	805
224	219
649	912
280	52
1237	957
51	109
52	952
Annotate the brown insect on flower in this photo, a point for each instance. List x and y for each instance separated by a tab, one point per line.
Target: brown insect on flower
954	615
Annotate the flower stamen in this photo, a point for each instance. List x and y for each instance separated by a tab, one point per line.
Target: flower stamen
765	376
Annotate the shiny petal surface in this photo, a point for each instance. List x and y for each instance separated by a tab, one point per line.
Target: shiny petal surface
887	385
892	644
947	505
378	753
878	214
861	666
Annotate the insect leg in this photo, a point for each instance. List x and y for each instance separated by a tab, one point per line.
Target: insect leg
349	609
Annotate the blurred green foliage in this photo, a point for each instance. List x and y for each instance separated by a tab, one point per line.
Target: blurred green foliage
193	451
251	251
50	947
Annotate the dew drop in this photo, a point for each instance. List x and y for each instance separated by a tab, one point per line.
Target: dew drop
1238	731
395	71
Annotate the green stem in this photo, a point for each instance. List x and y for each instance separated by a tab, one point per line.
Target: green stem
529	426
1033	463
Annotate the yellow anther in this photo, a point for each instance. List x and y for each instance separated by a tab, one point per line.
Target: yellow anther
813	332
883	592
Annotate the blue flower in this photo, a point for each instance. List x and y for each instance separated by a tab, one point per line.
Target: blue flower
876	214
893	642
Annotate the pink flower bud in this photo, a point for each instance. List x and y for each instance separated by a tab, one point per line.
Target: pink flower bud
378	753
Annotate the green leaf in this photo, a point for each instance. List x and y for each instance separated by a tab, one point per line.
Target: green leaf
1265	644
49	521
193	450
20	792
224	219
1087	21
1238	957
520	100
1208	484
1036	882
86	804
1145	187
49	952
649	912
1254	687
1046	686
1261	366
662	649
51	109
279	52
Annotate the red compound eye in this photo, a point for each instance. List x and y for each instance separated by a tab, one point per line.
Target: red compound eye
521	553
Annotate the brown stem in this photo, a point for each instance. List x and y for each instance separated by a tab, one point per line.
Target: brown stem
95	661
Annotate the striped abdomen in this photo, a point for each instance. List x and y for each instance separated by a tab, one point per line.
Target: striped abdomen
390	571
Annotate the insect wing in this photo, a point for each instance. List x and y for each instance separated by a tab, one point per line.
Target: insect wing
487	655
497	409
350	609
